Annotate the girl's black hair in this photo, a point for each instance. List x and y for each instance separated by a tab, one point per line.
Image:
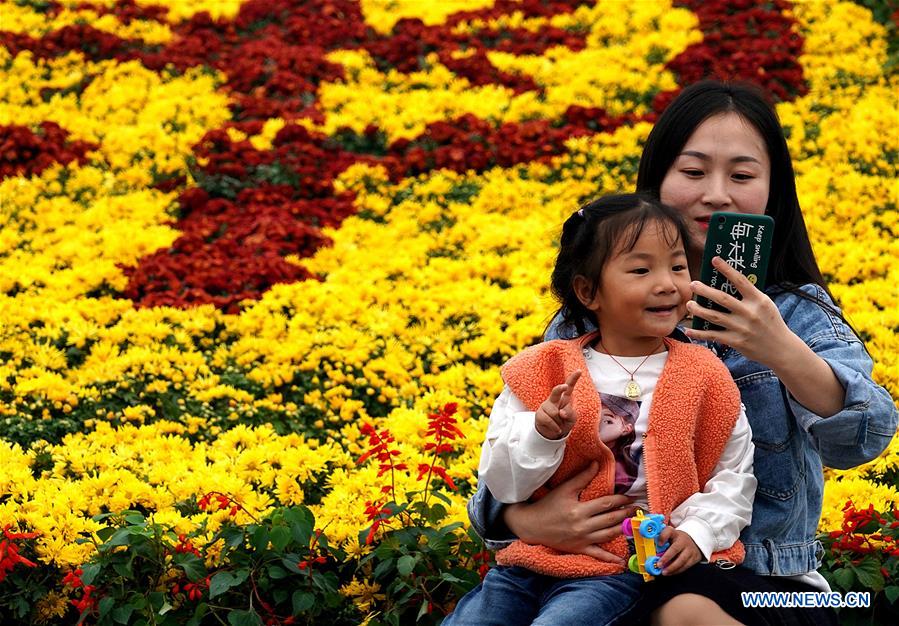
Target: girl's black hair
792	262
593	234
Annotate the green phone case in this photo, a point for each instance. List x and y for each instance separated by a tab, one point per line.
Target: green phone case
744	241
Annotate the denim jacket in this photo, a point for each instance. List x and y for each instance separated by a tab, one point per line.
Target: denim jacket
791	443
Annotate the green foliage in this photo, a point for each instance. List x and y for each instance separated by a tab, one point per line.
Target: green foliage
423	567
863	556
276	570
22	587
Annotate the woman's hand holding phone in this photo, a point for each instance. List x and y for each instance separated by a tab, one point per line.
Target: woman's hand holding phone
755	328
752	326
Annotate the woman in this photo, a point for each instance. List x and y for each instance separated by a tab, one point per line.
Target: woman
804	375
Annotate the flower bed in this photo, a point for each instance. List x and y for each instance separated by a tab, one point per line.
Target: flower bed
263	260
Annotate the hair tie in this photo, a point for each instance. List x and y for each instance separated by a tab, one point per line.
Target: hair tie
580	212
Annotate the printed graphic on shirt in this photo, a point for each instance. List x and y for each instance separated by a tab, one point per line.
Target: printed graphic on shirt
616	430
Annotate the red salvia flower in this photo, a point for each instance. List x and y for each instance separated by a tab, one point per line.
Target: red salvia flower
9	551
442	426
378	514
185	545
425	468
87	602
73	579
378	442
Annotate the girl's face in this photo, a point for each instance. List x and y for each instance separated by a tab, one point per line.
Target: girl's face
724	166
613	426
642	292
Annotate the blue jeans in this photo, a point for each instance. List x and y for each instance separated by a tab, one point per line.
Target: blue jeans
513	595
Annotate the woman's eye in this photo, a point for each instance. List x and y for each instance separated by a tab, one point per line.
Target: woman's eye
640	270
743	176
693	173
679	268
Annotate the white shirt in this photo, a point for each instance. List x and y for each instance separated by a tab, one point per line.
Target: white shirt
516	459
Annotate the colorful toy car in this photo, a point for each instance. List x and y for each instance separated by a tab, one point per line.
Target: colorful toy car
645	530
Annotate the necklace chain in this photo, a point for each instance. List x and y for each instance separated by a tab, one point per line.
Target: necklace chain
632	389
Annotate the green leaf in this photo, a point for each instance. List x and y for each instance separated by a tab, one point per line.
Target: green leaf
259	538
280	537
450	578
328	582
437	513
276	572
105	606
383	567
199	613
122	614
405	565
290	562
302	601
869	574
194	567
301	522
157	601
123	569
89	573
121	537
105	533
233	536
135	519
892	593
240	576
423	610
220	583
138	601
165	608
223	581
845	578
244	618
442	496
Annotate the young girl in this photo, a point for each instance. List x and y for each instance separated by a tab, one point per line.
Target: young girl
803	373
657	419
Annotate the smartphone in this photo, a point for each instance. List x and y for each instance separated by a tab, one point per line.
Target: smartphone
744	241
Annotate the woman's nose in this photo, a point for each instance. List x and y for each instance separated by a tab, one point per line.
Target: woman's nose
716	192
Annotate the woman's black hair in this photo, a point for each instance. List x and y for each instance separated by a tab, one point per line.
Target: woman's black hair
792	262
593	234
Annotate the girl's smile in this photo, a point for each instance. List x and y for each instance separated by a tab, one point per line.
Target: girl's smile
642	292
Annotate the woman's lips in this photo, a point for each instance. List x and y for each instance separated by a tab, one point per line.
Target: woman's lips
703	222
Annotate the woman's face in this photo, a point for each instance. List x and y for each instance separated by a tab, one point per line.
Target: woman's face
724	166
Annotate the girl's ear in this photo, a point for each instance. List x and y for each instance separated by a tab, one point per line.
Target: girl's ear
584	291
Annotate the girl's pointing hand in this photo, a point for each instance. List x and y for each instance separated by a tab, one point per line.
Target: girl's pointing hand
555	418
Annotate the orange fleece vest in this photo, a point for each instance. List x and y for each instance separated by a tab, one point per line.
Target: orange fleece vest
694	408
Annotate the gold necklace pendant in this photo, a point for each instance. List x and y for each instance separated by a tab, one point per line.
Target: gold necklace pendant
632	389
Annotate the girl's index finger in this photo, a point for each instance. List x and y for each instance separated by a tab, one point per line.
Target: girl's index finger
565	398
555	396
572	378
